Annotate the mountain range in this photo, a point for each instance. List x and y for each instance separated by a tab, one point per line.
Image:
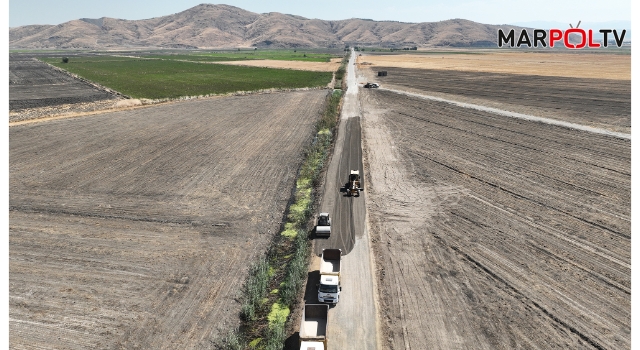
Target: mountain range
222	26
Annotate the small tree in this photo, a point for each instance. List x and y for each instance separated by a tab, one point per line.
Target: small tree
65	59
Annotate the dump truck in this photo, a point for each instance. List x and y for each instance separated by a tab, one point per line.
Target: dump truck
323	228
329	287
313	327
353	186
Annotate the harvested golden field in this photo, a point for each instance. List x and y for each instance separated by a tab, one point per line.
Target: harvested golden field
296	65
574	65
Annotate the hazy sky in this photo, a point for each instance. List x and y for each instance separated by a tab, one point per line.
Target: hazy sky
24	12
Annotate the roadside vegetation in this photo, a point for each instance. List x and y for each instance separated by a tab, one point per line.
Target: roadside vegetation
160	79
341	71
276	279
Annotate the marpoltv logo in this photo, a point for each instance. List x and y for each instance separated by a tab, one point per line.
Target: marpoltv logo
557	35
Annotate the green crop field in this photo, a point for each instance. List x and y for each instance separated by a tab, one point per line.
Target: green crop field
283	55
156	79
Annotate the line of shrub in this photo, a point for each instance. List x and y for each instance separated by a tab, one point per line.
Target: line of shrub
275	281
343	68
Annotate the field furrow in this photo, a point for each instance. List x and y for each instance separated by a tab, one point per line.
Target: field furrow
135	229
497	233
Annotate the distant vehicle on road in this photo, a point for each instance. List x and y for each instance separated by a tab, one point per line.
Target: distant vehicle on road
371	85
323	228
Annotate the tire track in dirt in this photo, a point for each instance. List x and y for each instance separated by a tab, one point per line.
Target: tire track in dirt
601	103
582	127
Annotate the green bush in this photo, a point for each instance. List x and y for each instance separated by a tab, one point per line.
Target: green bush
233	341
65	59
255	288
343	66
276	335
296	271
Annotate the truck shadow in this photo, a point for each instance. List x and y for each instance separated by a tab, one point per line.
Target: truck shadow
293	342
311	292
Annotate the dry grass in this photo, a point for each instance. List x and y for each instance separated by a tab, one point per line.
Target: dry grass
603	66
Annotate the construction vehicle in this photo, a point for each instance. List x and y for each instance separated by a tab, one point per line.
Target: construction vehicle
354	186
329	287
323	228
313	327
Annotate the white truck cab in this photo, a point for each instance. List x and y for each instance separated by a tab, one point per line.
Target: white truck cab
329	289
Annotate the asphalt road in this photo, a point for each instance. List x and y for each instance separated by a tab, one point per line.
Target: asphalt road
352	322
347	212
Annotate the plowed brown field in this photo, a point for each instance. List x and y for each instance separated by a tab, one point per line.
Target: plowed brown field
601	103
34	84
134	229
496	233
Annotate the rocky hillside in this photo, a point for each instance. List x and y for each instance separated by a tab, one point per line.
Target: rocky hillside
224	26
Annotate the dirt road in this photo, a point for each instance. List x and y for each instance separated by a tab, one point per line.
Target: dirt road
496	233
353	321
134	229
527	117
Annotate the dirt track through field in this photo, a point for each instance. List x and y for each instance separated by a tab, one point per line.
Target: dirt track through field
517	115
134	229
496	233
